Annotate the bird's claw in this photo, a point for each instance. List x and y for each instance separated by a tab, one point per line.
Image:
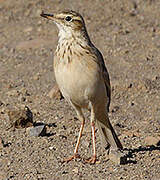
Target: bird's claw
75	156
91	160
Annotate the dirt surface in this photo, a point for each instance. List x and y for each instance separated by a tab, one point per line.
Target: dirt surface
128	35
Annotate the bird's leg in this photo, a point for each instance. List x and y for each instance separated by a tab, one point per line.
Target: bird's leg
80	117
79	137
92	160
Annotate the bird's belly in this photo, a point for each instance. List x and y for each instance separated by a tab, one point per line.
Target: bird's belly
78	85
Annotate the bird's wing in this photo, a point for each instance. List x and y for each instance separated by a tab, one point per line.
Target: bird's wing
105	74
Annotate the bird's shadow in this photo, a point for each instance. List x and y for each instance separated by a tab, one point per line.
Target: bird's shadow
130	153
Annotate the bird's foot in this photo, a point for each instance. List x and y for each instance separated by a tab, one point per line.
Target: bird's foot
91	160
75	156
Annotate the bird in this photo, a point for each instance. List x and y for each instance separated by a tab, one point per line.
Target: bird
83	79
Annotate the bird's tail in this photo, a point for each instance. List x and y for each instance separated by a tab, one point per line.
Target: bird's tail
108	135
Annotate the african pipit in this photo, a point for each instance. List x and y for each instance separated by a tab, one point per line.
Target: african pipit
82	78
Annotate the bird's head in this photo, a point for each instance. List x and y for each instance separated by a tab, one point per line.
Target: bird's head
68	22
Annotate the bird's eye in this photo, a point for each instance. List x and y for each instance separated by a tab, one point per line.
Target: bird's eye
68	18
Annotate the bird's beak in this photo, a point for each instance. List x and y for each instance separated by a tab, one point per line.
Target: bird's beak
48	16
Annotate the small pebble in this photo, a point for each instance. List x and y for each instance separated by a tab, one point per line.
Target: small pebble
36	131
1	144
150	140
51	147
117	157
75	170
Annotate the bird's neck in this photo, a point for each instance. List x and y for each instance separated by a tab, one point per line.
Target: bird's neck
73	46
73	38
64	35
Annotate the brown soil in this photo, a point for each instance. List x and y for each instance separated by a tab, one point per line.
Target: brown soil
128	35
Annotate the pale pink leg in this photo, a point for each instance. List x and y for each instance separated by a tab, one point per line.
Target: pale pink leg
92	160
80	117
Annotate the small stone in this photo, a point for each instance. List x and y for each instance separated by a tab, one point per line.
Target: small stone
13	93
21	98
51	147
98	162
131	133
36	131
55	93
21	117
36	77
35	112
75	170
136	134
1	144
150	140
56	117
115	109
1	103
117	157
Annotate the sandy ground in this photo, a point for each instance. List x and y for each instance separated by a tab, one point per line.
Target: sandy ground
128	35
